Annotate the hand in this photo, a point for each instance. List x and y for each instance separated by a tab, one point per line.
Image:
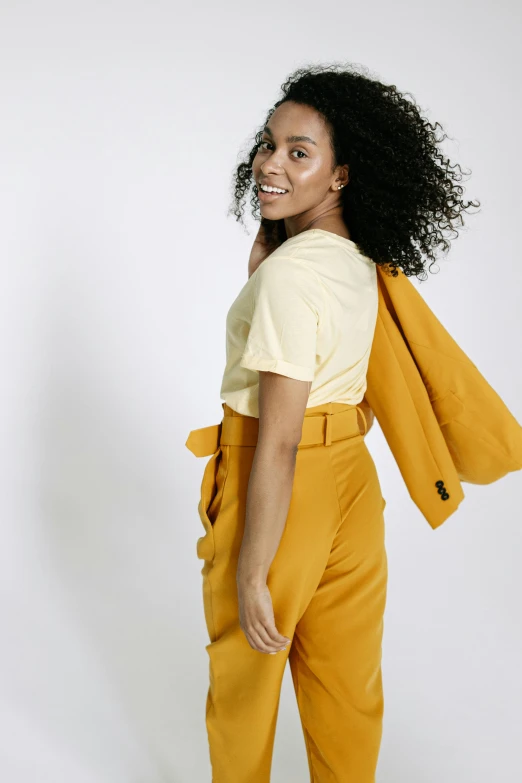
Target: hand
261	249
256	618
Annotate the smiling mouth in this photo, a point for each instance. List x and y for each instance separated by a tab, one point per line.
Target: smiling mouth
266	195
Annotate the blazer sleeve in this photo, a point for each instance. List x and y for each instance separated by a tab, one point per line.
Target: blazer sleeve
287	307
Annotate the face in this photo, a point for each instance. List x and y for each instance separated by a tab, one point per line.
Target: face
295	155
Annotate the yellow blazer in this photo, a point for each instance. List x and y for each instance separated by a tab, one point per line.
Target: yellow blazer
443	422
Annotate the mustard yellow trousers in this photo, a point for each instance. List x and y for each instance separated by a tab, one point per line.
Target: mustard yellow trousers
328	585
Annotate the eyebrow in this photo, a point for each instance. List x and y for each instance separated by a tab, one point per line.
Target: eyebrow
291	139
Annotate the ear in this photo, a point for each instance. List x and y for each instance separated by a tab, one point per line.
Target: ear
342	176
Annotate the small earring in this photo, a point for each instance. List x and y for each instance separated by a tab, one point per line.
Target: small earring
339	187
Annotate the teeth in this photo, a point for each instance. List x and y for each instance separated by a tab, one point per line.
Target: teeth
269	189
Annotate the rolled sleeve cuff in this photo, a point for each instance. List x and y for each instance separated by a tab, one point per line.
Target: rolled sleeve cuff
297	371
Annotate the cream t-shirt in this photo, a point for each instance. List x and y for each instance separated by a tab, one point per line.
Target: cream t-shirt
308	312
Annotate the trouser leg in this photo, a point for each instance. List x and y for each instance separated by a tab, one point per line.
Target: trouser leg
335	655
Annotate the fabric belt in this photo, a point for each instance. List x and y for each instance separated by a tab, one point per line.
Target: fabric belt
318	429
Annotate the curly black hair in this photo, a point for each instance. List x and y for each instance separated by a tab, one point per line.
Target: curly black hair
402	193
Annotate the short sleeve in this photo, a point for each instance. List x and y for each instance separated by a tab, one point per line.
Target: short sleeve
287	308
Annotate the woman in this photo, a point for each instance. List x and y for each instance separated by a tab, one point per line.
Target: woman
346	174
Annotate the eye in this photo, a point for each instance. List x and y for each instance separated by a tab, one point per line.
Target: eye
300	152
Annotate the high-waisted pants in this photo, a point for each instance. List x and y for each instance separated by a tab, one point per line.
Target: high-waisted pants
328	584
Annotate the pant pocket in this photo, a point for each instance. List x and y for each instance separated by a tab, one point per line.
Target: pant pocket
205	544
219	485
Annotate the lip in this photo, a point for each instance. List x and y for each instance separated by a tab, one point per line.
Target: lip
268	197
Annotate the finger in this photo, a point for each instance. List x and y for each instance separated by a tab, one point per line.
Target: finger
255	646
257	643
268	621
274	635
255	627
263	646
271	634
265	636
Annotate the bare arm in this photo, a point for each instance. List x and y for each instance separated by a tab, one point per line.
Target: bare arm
282	403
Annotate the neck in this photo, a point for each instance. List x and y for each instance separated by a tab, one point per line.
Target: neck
329	219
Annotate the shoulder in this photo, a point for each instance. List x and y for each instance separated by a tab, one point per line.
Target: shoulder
280	266
291	274
323	251
288	283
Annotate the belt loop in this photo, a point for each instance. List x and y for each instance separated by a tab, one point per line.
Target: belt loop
328	430
365	424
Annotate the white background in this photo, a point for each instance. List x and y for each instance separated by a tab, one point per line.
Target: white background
121	125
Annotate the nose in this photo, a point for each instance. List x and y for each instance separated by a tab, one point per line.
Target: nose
272	164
